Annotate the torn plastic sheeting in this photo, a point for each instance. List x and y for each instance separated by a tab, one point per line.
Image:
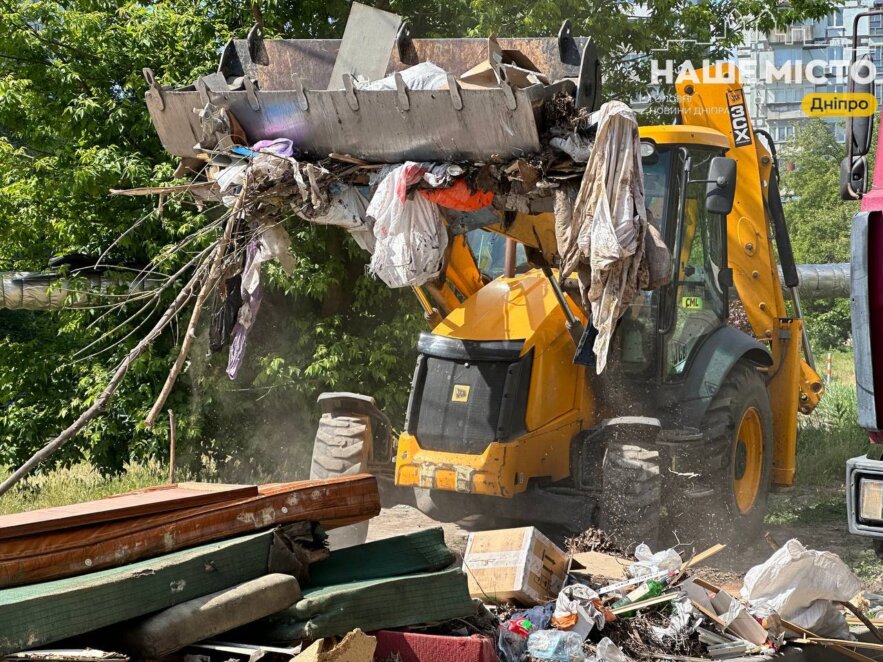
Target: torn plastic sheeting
272	242
575	611
649	563
799	584
607	651
459	197
409	232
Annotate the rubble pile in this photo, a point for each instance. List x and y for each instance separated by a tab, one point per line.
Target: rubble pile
241	572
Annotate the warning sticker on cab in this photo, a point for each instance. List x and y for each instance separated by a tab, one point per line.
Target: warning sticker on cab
691	303
461	393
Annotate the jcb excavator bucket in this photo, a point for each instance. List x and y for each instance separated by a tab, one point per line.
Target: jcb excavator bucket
282	89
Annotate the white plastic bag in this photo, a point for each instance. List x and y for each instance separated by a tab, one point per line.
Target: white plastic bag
798	584
423	76
410	234
607	651
346	208
649	563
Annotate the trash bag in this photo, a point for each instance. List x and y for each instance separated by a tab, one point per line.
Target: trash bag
574	609
556	645
410	234
459	197
649	563
423	76
607	651
798	584
346	208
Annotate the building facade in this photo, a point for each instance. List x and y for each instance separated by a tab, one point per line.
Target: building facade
774	66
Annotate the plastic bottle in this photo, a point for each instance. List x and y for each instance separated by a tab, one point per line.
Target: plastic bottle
512	641
556	645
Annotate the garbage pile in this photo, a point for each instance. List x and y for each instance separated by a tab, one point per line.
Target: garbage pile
471	149
588	604
242	572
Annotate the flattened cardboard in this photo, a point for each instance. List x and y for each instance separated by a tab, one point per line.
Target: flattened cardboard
521	565
598	564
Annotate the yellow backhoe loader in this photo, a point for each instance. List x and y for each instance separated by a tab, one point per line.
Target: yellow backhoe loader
692	422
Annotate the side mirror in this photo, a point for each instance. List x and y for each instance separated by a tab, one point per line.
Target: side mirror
720	189
852	177
860	130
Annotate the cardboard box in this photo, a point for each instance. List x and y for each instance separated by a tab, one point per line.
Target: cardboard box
519	69
725	610
521	565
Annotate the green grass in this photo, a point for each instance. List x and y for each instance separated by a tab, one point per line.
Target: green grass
830	435
78	483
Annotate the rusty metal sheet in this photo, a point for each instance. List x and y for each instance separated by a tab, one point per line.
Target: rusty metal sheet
312	60
56	554
121	506
364	49
379	129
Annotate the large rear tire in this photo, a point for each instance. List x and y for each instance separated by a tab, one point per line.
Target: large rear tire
341	449
727	501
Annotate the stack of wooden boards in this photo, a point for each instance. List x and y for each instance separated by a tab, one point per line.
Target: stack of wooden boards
150	572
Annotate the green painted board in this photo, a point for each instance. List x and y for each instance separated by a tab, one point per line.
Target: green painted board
421	551
371	605
39	614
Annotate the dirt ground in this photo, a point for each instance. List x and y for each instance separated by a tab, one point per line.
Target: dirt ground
816	517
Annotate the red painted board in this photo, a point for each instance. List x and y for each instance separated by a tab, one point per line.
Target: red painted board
121	506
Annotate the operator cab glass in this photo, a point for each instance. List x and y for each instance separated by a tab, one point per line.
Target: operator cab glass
667	324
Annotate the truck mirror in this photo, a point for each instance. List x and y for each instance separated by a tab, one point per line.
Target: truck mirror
720	188
860	130
852	177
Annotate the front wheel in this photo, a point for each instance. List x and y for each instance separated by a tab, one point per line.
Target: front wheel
341	449
724	498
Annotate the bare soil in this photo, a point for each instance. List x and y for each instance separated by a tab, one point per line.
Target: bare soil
814	516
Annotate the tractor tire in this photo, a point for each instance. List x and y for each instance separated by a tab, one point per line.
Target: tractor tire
631	495
340	450
727	501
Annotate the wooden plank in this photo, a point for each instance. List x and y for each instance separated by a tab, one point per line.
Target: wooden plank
121	506
334	502
703	556
40	614
840	649
869	645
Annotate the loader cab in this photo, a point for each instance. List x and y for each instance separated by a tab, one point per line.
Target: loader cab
660	332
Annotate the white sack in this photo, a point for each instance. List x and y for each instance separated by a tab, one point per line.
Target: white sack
423	76
409	232
799	584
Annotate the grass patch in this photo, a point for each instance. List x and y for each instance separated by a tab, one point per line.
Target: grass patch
80	482
794	509
829	436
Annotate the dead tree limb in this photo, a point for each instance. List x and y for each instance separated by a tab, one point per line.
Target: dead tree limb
104	398
217	270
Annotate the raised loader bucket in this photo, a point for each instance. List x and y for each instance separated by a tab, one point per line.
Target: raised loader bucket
284	89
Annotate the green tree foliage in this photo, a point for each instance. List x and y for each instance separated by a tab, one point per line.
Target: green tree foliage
819	221
73	124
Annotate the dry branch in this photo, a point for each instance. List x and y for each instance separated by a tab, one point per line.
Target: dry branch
217	270
104	398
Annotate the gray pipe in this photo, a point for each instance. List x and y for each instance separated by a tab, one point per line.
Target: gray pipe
23	290
28	290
